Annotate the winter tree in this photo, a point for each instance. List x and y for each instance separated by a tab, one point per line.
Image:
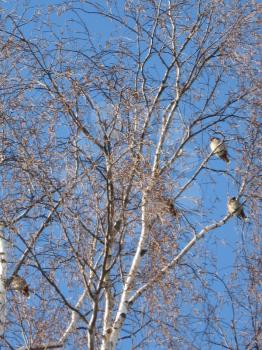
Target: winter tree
114	218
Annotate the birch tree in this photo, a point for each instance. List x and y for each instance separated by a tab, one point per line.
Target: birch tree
113	206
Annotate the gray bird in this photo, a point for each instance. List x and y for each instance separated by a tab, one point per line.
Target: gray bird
18	283
218	147
236	208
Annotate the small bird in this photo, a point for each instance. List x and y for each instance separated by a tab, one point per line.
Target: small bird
171	208
235	208
218	147
18	283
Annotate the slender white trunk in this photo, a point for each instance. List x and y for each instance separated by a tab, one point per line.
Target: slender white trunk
3	262
108	307
74	319
128	286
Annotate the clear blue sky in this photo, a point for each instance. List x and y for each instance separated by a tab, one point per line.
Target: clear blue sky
220	243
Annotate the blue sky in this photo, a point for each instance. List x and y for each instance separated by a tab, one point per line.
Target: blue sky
222	242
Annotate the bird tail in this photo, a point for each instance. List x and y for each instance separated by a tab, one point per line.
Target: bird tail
224	156
243	215
25	291
172	210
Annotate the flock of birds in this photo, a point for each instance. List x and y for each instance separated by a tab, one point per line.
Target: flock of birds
234	207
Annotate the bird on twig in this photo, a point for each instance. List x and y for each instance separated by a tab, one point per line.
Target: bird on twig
218	147
236	208
18	283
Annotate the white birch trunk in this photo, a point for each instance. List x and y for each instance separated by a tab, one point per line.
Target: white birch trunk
74	319
128	286
3	262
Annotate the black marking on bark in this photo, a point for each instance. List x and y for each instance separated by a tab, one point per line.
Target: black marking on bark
143	252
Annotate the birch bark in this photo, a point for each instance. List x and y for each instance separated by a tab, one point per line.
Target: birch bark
123	305
3	262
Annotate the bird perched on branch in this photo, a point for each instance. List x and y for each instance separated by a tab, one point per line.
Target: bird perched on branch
218	147
163	206
18	283
236	208
171	208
